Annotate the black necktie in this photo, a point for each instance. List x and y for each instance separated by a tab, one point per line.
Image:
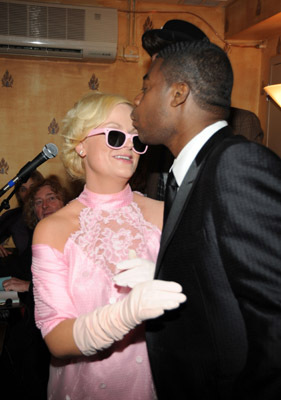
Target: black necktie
161	187
171	191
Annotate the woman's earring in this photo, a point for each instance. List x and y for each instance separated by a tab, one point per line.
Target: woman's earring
81	152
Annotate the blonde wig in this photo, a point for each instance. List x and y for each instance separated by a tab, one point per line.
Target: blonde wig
88	113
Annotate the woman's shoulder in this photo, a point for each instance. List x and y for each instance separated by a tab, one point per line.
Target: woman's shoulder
55	229
151	209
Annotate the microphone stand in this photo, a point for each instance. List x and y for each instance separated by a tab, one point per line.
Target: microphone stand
5	205
15	183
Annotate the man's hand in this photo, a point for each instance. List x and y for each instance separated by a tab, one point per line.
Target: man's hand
4	252
16	284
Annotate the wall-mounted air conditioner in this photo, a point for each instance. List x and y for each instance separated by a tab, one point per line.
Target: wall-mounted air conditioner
54	30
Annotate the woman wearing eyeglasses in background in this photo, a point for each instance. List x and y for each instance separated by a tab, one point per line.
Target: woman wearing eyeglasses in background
93	327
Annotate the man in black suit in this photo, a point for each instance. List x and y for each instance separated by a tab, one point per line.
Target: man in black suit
221	237
159	159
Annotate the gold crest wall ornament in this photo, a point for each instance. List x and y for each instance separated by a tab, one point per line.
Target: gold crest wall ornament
94	83
53	128
4	167
148	24
7	80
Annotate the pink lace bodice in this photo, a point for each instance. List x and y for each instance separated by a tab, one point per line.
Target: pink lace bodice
79	280
110	228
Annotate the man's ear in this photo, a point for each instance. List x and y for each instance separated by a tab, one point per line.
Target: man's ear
180	92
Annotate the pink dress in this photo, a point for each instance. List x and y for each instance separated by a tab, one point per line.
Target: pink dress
79	280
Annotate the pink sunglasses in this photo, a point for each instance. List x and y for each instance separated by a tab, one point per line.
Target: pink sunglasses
116	139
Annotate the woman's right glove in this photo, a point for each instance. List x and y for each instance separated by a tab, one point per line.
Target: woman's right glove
100	328
133	271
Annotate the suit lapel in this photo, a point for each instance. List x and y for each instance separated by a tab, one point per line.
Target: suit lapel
185	191
178	205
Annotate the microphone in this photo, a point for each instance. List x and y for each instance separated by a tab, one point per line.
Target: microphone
49	151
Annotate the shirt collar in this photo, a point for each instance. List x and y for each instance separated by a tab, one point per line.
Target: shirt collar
186	156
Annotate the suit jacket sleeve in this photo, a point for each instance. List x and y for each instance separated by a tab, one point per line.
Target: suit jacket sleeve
247	217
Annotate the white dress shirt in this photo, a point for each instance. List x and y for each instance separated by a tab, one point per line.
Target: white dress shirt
187	155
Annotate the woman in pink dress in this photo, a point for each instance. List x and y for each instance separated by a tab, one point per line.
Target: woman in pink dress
93	327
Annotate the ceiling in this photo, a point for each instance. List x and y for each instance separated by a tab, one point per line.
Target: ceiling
206	3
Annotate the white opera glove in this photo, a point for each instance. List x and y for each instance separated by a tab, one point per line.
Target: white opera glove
134	271
100	328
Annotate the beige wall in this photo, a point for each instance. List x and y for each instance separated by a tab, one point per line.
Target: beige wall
273	48
256	20
44	89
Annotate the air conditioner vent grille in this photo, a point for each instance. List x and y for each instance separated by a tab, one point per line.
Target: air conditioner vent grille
76	24
57	23
17	19
42	21
39	48
58	30
3	18
38	22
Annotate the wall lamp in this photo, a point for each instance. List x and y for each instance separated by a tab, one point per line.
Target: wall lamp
274	91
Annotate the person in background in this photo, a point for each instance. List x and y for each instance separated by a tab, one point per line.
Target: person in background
221	235
247	122
160	158
44	199
24	363
11	221
93	327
